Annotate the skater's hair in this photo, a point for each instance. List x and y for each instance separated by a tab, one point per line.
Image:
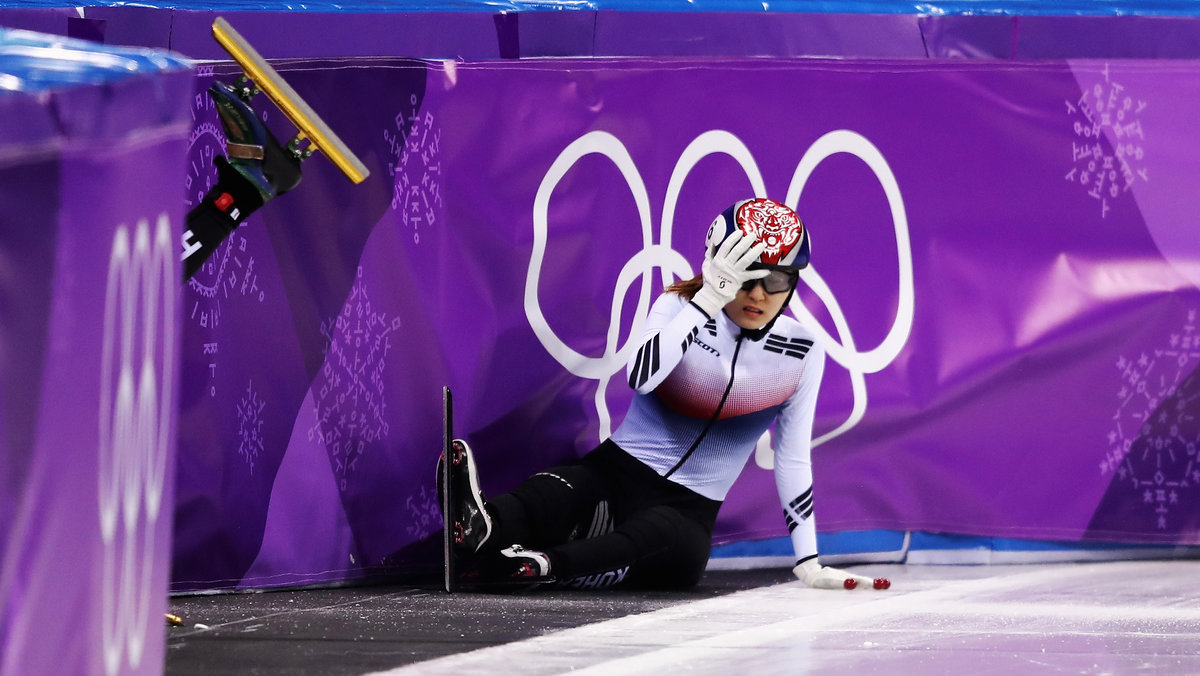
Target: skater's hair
686	287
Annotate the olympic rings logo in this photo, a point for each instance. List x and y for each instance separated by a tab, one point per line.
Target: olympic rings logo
671	263
136	391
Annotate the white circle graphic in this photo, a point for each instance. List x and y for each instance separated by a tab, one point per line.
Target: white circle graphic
671	263
877	359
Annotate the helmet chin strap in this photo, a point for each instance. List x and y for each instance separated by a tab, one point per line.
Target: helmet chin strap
759	333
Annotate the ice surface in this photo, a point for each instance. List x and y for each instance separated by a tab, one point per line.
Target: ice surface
1094	618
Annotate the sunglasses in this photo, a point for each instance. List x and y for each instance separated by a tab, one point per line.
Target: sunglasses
776	281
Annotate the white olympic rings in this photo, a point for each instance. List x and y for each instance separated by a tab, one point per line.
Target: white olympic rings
672	264
136	409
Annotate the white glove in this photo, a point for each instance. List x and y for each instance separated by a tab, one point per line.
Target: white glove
725	272
817	576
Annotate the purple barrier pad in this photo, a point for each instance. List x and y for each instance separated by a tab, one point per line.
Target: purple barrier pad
434	35
86	525
474	35
972	37
285	351
141	26
276	34
26	254
783	34
553	33
38	125
1121	37
1047	215
52	20
1057	37
995	106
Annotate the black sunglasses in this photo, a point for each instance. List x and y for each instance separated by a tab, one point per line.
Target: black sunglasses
776	281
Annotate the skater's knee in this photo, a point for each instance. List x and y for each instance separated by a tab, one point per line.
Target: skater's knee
557	483
553	505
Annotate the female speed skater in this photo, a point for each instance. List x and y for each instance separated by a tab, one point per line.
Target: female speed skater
718	363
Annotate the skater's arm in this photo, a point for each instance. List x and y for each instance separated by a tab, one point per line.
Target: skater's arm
674	321
792	443
794	480
670	330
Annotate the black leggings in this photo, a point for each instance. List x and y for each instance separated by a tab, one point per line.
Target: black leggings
609	519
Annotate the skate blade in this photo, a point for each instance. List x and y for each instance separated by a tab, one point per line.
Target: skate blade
450	558
310	124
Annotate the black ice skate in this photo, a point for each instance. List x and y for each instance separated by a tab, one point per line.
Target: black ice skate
253	151
466	524
469	522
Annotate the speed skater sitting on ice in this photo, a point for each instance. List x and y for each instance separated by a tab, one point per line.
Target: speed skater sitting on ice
718	363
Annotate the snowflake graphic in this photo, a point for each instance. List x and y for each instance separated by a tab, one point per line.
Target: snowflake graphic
349	391
1155	434
415	143
250	423
1107	109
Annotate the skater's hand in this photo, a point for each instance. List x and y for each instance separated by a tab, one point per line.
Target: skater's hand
726	271
817	576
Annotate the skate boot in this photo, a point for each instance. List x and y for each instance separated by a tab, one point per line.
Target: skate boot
527	565
253	151
471	523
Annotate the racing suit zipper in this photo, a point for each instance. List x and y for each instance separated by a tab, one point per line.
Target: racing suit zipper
737	348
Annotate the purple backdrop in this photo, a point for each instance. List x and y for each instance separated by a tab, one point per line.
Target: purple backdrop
1003	266
90	223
